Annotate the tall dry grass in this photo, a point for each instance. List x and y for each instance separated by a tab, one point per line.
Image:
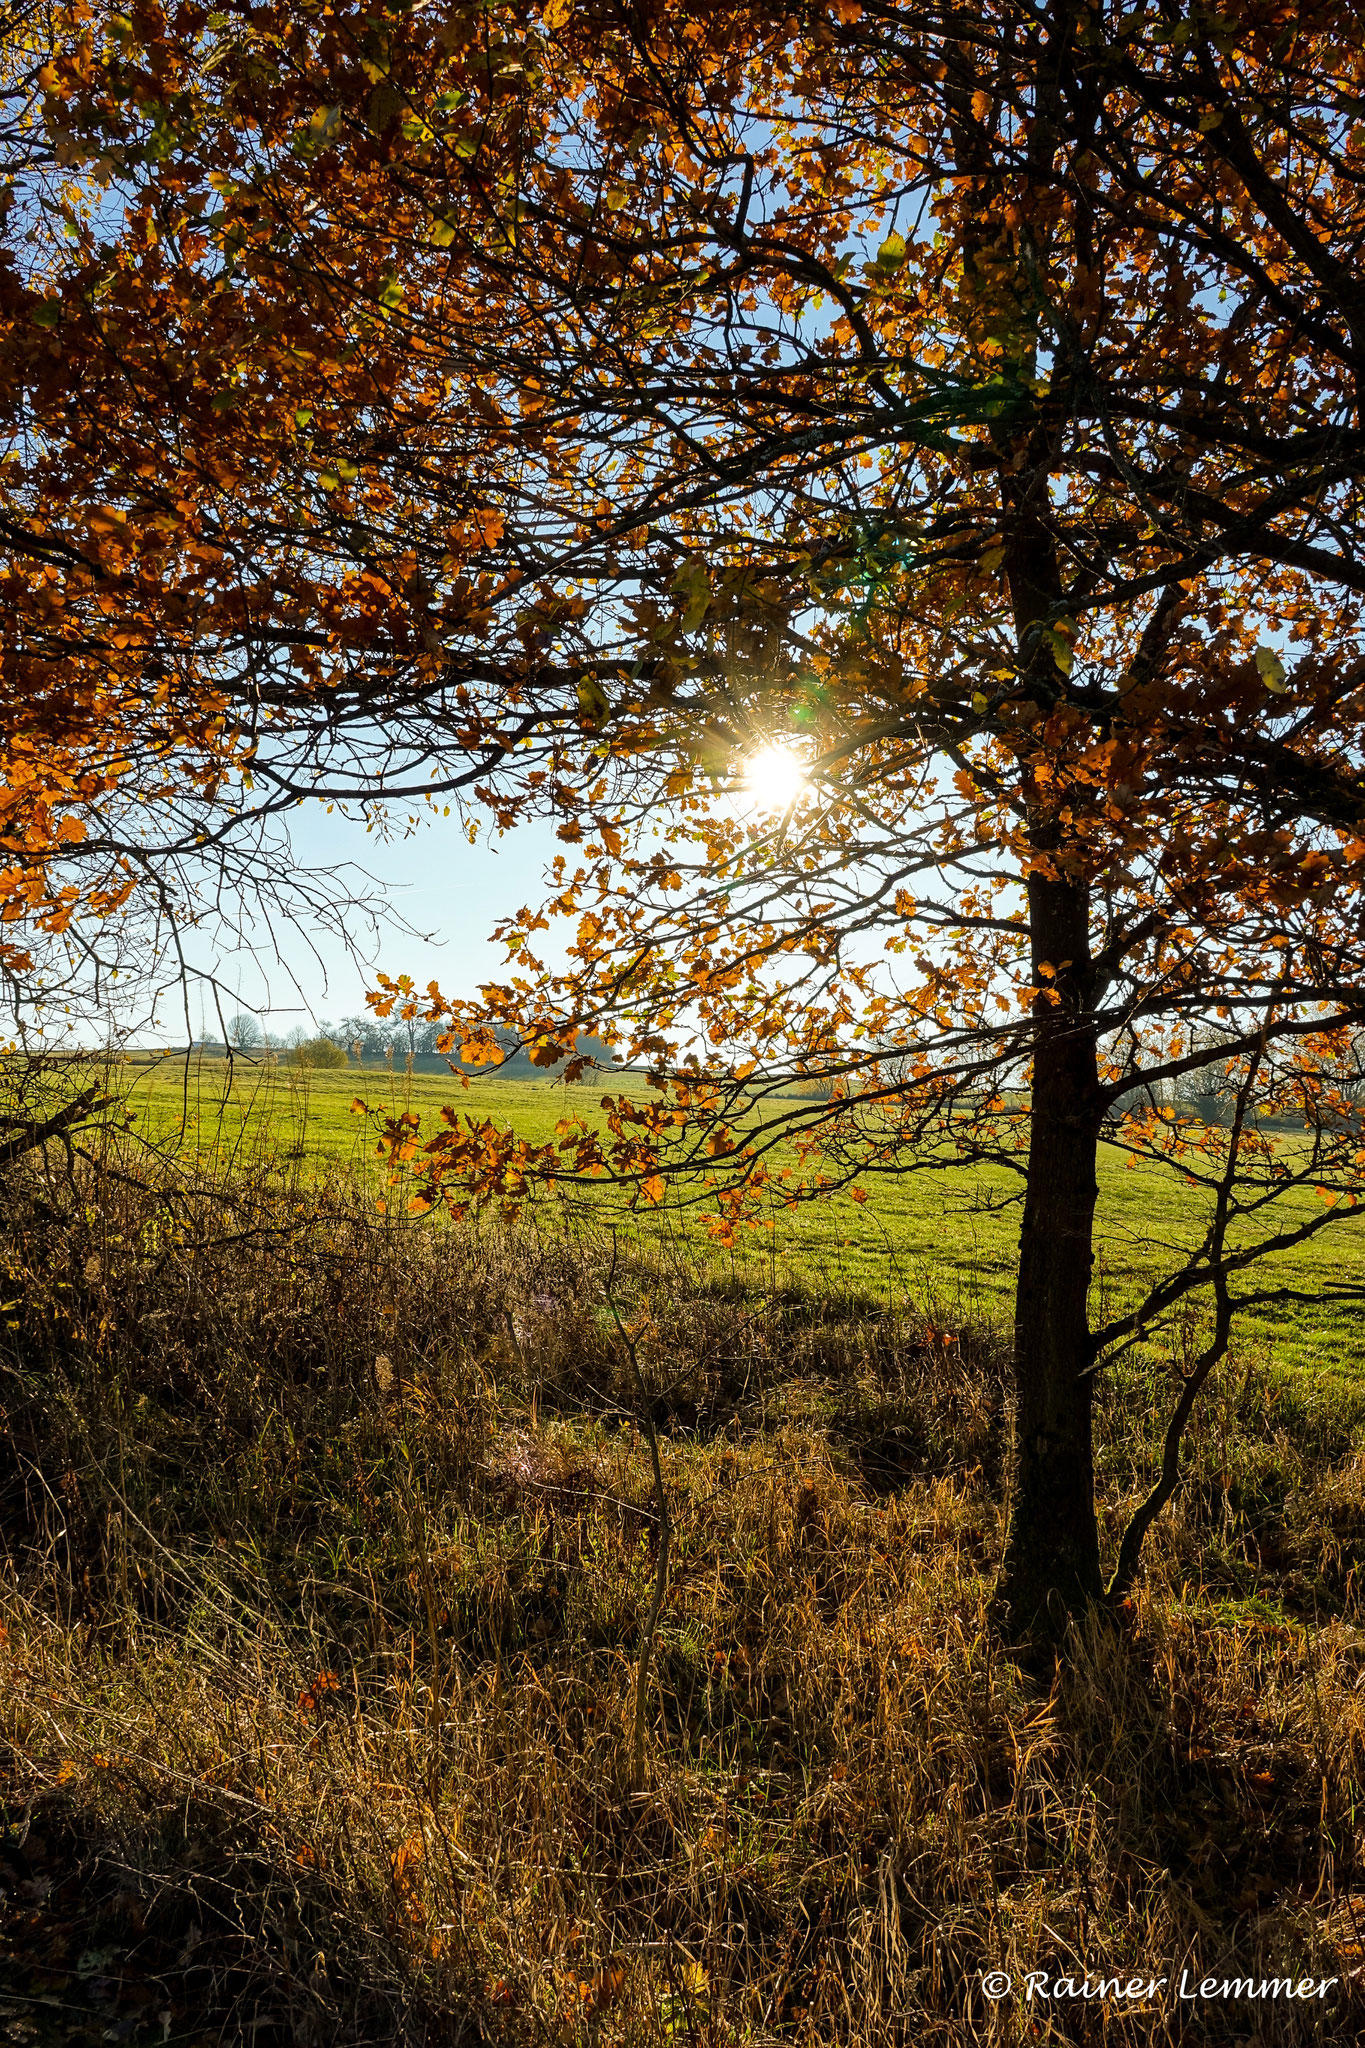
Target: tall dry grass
327	1542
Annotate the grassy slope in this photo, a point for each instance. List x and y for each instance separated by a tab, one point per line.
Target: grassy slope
934	1237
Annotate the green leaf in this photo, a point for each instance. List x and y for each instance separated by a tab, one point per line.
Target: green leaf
1061	650
892	253
593	701
441	233
1272	670
693	585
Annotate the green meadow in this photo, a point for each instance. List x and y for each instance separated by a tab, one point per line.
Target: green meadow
944	1241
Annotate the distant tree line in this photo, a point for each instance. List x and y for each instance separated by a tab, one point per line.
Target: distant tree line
407	1044
372	1041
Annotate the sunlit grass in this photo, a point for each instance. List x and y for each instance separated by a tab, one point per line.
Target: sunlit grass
944	1238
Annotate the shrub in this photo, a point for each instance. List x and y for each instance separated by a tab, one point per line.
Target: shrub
318	1052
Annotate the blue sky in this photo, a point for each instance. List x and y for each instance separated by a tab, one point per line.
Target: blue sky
425	876
431	879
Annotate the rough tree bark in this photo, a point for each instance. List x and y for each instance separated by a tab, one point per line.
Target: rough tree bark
1052	1562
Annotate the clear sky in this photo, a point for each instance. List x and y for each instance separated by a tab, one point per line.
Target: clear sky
431	879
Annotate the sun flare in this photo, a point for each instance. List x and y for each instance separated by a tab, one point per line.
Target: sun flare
775	777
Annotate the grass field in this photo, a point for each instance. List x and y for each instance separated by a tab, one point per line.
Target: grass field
943	1240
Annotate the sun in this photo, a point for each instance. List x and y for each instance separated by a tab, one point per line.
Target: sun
775	777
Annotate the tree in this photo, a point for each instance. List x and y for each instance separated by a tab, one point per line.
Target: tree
886	484
1015	522
413	1034
364	1036
243	1032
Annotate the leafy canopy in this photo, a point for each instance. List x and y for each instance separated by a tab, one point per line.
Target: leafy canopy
542	411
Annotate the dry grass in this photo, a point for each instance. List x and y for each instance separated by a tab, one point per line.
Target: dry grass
326	1544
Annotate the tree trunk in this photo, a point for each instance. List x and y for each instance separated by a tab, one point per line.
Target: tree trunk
1052	1561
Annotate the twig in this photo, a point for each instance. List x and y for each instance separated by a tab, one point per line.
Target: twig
1125	1570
